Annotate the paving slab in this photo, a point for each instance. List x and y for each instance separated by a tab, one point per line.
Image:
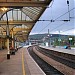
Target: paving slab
20	64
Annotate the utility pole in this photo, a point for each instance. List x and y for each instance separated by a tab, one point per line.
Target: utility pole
68	9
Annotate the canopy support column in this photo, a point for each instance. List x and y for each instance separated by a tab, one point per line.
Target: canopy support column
7	33
12	39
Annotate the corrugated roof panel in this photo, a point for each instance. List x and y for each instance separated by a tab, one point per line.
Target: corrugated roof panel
24	12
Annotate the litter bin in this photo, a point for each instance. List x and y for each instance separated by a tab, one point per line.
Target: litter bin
8	56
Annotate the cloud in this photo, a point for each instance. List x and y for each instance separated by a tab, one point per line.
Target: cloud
70	32
58	8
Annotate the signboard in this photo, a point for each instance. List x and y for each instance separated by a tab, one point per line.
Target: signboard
70	38
47	44
59	39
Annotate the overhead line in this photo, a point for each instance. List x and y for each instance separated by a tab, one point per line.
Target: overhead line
64	13
58	18
68	29
44	27
57	26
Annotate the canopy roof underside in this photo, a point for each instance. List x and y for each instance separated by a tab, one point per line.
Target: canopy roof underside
20	16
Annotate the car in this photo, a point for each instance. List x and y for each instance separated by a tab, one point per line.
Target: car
67	47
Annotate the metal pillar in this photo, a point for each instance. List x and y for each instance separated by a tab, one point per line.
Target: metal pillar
7	33
12	39
68	9
13	47
8	54
59	38
50	40
8	46
16	44
1	42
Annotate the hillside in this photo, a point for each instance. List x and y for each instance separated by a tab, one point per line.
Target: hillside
41	36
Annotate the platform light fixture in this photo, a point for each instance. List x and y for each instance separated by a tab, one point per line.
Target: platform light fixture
4	9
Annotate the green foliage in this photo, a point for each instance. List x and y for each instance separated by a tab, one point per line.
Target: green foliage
54	37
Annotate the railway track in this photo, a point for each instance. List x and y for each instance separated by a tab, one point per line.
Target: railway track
49	70
63	60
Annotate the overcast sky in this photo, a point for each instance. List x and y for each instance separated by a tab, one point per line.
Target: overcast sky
55	10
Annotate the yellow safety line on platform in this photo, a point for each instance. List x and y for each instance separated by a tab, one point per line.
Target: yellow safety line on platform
23	66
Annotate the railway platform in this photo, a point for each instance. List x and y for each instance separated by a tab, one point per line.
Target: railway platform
19	64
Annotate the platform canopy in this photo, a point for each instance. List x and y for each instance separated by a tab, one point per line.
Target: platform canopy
19	16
